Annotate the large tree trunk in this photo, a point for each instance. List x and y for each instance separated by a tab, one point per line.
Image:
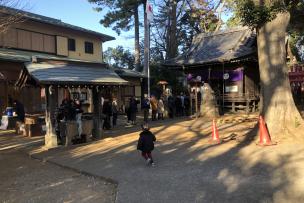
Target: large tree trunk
172	38
278	107
137	51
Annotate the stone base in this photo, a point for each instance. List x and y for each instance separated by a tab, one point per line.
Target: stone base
51	141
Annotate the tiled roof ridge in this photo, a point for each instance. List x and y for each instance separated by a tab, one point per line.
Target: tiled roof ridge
53	21
223	32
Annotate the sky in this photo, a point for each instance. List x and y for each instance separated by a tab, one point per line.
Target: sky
79	13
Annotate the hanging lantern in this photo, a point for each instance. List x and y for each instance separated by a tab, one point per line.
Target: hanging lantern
189	77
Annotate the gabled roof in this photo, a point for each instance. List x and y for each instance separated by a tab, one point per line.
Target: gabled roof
72	73
221	46
53	21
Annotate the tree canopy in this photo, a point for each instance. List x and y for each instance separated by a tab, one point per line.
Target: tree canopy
119	58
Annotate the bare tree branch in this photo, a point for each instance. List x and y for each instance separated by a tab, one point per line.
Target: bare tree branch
9	15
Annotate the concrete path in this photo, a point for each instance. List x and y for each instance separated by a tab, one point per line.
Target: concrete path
190	169
23	179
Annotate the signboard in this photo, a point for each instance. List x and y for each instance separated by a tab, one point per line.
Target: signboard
233	88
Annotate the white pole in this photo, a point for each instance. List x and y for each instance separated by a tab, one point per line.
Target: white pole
148	60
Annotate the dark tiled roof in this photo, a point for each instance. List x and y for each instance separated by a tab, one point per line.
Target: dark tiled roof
73	73
221	46
53	21
124	72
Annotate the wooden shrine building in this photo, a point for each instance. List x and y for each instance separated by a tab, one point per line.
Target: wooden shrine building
227	60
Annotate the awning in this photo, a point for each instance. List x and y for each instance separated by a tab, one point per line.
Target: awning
63	73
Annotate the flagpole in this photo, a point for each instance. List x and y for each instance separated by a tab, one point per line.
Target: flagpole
148	19
148	63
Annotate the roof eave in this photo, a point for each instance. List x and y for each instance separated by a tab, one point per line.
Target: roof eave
103	37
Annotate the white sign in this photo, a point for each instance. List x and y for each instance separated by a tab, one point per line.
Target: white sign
226	76
233	88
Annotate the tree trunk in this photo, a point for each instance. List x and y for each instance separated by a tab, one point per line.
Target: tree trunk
97	128
51	105
172	49
137	49
278	106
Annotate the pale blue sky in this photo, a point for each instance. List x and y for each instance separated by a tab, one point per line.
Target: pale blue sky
80	13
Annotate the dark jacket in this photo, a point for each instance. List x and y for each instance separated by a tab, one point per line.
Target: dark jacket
146	141
146	103
20	111
133	105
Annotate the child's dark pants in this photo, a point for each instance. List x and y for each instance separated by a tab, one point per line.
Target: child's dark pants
147	155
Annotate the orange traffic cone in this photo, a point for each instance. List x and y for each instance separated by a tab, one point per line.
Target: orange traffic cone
215	135
265	139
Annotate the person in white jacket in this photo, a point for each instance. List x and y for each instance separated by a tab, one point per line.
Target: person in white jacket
160	109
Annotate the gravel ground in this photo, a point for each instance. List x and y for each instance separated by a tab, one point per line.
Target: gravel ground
23	179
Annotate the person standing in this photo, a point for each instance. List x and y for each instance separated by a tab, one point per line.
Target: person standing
178	105
146	107
182	101
78	111
171	106
160	109
154	107
114	111
146	144
19	110
107	111
133	110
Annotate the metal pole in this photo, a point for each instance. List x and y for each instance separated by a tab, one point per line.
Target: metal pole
148	63
196	102
223	90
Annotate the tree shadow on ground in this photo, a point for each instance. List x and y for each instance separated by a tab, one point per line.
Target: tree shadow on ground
194	170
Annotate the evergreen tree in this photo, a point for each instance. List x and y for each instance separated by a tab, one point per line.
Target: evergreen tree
119	58
122	16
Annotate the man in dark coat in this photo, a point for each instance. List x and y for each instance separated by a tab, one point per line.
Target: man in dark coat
146	144
133	110
19	110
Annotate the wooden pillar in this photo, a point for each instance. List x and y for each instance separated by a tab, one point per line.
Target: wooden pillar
247	106
97	128
196	102
191	97
51	105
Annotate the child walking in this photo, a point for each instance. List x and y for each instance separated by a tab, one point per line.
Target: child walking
146	144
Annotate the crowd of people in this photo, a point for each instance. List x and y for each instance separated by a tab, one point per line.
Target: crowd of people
153	108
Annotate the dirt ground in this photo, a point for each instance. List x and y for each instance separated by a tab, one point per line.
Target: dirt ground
23	179
188	167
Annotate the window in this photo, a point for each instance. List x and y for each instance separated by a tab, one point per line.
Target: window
88	47
71	45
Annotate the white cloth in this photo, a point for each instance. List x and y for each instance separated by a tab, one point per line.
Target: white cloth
149	11
4	123
79	123
160	106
